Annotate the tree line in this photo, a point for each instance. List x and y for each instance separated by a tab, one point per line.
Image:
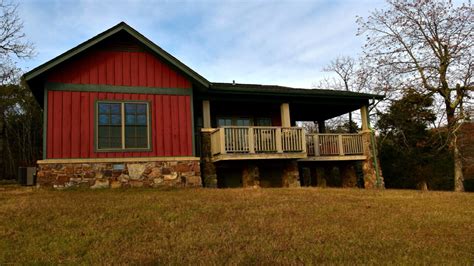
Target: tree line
20	115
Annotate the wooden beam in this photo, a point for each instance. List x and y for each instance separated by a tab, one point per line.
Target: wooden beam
206	114
335	158
285	115
258	156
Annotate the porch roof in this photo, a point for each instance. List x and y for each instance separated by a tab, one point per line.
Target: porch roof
305	104
239	88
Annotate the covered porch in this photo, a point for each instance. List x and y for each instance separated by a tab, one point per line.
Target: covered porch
241	128
253	134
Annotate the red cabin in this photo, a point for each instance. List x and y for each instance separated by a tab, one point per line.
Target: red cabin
120	111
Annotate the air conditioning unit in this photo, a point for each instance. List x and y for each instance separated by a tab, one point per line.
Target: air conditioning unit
27	176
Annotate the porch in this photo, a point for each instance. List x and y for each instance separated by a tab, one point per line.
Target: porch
248	136
259	126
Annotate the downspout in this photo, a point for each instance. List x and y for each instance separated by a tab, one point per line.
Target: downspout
374	149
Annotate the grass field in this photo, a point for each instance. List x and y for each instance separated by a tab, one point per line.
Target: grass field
236	226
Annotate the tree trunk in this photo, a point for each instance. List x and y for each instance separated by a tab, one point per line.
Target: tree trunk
351	130
458	175
453	144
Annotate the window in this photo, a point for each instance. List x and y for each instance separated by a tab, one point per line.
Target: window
224	121
263	122
122	125
136	132
242	122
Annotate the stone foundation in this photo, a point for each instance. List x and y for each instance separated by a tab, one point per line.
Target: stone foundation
120	175
258	173
250	176
291	175
208	169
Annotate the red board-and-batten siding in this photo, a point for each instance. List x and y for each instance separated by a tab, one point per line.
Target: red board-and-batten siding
70	122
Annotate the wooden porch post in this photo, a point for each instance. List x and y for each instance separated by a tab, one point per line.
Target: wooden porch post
222	140
364	114
206	114
251	139
279	145
285	115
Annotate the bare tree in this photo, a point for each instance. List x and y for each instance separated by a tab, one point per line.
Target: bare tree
12	46
429	45
344	67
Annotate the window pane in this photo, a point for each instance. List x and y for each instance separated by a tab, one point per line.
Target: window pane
141	120
130	143
116	142
136	137
141	108
104	108
263	121
103	132
142	142
243	122
130	131
115	132
130	108
109	137
104	120
141	132
130	120
115	108
221	122
103	143
116	119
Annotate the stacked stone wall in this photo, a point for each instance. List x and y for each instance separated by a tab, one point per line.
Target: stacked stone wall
120	175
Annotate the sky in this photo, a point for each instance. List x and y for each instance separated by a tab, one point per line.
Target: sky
266	42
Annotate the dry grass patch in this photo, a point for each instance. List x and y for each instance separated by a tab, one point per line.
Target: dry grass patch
231	226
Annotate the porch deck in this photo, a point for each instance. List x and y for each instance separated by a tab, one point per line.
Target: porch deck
247	143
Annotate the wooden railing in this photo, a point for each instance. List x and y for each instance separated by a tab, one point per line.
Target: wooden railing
226	140
334	144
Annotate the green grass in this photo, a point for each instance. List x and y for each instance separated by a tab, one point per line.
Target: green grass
236	226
